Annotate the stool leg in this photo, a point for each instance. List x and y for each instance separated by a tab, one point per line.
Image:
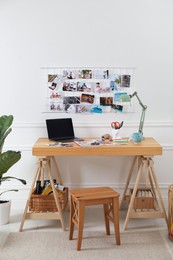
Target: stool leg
71	218
115	206
80	223
106	213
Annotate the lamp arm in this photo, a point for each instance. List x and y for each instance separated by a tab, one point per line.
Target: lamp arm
140	102
144	107
141	124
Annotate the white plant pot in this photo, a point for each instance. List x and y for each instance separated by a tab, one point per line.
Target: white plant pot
5	212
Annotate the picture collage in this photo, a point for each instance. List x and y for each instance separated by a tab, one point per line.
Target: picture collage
86	90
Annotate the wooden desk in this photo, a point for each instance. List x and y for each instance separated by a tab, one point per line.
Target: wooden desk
141	152
149	147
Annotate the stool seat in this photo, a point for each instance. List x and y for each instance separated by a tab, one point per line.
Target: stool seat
79	198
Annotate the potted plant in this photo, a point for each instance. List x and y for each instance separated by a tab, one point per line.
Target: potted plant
7	160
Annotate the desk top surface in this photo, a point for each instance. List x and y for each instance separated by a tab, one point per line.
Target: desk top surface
148	147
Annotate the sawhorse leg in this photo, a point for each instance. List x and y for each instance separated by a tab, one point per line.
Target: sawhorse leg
39	174
147	163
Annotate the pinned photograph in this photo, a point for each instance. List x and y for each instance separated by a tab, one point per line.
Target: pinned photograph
53	86
84	86
118	95
86	98
69	74
56	95
102	87
83	109
113	86
85	74
101	74
51	77
71	100
70	108
106	101
55	106
69	86
125	82
116	78
117	108
96	109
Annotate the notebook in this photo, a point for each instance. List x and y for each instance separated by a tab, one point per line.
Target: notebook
61	130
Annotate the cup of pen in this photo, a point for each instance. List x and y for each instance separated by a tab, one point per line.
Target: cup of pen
115	129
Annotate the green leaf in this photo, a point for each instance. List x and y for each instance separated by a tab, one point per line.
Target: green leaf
7	178
8	159
5	123
7	191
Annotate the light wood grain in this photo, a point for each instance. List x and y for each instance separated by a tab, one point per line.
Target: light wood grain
148	147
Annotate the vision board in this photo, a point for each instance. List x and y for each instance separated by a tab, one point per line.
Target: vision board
87	90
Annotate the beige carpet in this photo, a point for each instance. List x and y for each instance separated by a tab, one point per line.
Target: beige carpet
95	245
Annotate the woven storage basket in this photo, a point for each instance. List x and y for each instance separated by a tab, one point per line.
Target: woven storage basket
144	198
170	211
47	202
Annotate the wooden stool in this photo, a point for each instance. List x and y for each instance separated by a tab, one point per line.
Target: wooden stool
79	198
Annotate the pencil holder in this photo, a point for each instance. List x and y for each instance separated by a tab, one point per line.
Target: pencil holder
115	133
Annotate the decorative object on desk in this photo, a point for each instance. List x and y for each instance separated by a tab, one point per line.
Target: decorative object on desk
106	137
116	129
7	160
127	98
137	138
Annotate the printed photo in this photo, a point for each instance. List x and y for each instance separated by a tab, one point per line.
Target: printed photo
83	109
106	101
69	74
56	95
71	100
86	98
53	86
102	87
51	77
125	82
96	109
69	86
113	86
70	108
85	74
84	86
116	78
117	96
118	108
56	106
101	74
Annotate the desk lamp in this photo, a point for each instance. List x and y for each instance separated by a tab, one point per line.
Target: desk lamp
127	98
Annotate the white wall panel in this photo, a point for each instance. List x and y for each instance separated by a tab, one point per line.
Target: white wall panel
91	33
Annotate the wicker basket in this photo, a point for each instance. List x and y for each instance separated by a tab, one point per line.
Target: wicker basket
47	202
170	211
144	198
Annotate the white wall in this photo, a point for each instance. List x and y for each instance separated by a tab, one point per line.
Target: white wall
92	33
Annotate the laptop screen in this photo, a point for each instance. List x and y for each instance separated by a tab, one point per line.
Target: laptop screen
59	129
